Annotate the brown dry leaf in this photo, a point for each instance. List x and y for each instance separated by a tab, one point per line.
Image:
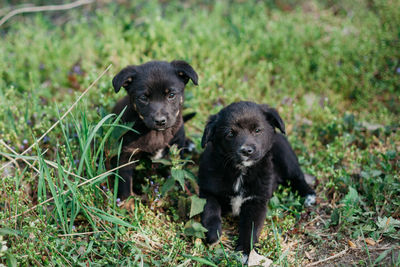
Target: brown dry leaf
308	255
351	244
130	204
370	241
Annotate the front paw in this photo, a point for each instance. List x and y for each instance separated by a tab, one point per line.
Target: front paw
212	237
243	247
310	200
245	256
189	146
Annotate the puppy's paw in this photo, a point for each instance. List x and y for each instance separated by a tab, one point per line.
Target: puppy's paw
191	147
245	259
310	200
212	239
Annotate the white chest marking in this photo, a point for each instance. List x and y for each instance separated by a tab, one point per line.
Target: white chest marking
247	163
237	202
238	183
158	154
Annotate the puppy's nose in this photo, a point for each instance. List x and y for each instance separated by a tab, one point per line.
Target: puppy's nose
246	150
160	121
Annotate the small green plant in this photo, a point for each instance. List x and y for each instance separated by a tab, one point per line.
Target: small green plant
331	69
178	174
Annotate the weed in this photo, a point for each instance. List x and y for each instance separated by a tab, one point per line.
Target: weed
331	69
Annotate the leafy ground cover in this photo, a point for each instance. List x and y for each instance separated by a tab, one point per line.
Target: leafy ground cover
332	69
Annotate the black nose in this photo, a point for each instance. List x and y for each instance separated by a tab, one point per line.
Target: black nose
246	150
160	121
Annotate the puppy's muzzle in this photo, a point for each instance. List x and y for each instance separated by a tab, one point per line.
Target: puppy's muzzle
160	121
246	155
246	150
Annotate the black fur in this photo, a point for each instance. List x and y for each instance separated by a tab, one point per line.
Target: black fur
245	157
154	103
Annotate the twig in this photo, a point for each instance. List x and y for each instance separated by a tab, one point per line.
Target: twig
329	258
15	153
6	10
378	249
44	8
66	191
14	161
63	116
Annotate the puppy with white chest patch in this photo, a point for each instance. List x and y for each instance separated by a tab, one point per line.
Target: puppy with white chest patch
243	162
154	103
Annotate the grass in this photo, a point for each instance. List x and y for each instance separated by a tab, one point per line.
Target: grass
332	70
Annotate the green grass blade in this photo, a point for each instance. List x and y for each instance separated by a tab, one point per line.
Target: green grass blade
200	260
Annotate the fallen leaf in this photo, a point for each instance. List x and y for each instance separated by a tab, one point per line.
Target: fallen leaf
129	205
351	244
370	241
224	238
256	259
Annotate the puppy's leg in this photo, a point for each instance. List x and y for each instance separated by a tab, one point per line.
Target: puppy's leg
211	219
125	183
124	176
288	168
252	216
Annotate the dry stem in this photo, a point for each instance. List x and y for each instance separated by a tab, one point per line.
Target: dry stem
44	8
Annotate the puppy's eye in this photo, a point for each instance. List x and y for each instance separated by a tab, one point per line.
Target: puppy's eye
230	134
144	98
257	130
171	95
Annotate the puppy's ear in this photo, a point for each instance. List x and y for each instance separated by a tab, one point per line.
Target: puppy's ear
124	78
273	117
209	131
185	71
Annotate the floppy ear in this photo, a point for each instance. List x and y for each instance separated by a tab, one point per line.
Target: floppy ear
209	130
273	117
124	78
185	71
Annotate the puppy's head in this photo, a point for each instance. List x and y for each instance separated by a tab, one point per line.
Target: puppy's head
156	90
243	131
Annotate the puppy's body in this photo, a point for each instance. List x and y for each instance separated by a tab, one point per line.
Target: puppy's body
154	103
242	165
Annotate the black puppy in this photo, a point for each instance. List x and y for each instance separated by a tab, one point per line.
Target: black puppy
242	165
154	103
